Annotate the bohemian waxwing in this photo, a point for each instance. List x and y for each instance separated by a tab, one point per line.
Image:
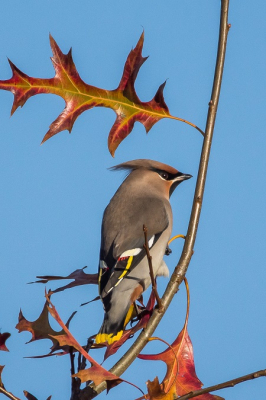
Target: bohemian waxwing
143	198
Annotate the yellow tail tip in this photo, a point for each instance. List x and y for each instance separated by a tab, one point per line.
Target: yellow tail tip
108	337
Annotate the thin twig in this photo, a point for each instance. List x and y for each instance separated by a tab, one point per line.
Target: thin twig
182	266
223	385
8	394
83	362
153	281
72	358
75	382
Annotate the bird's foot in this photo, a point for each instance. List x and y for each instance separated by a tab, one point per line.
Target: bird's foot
168	251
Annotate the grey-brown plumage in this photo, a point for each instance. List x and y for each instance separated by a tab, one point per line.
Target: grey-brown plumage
142	199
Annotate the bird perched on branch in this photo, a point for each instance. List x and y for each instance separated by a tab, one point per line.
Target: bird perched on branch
142	199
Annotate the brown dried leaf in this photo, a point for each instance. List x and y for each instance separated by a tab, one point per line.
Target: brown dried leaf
29	396
79	277
96	373
41	329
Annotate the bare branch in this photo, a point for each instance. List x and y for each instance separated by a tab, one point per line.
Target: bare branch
75	382
8	394
182	266
224	385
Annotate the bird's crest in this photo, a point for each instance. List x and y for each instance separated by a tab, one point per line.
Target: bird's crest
143	164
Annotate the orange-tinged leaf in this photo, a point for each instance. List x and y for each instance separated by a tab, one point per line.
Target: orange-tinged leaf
179	359
156	392
80	96
98	376
3	337
93	374
41	329
96	372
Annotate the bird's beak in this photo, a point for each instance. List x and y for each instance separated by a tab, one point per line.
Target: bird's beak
181	177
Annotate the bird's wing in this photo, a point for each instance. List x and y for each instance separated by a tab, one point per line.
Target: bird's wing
127	247
129	234
109	279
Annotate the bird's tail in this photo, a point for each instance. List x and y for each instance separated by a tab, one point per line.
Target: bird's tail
112	331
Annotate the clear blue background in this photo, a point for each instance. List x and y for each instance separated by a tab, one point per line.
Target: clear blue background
52	196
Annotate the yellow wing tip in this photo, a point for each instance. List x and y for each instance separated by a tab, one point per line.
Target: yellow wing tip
129	315
108	337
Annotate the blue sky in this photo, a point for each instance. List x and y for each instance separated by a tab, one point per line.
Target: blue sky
53	196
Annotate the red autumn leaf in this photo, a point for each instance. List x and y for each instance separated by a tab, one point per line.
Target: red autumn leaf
41	329
142	323
180	373
79	278
96	372
80	96
3	337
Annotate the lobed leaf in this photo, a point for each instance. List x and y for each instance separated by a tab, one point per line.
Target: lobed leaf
80	96
79	278
96	372
41	329
180	377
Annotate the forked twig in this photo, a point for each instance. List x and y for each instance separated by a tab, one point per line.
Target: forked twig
153	281
75	382
8	394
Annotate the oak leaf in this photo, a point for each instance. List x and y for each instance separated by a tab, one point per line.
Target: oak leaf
79	278
180	377
155	391
80	96
96	372
41	329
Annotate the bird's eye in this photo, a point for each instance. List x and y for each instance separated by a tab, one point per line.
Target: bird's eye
164	175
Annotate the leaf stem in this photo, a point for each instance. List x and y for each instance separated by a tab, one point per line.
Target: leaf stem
186	122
